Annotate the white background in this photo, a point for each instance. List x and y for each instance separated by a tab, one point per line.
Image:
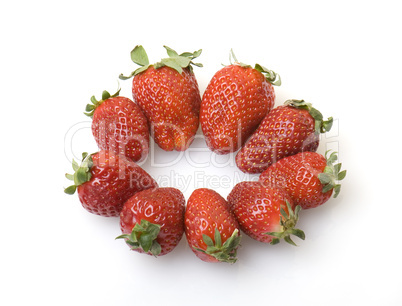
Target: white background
342	56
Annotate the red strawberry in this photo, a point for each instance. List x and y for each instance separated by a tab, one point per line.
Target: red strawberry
105	181
308	177
168	94
152	221
211	229
119	125
265	214
288	129
236	100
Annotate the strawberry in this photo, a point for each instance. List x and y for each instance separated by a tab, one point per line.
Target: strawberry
235	101
152	221
265	214
211	229
104	181
169	96
119	125
288	129
308	177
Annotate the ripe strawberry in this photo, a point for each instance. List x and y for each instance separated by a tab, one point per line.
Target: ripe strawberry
288	129
236	100
119	125
265	214
169	96
308	177
105	181
152	221
211	229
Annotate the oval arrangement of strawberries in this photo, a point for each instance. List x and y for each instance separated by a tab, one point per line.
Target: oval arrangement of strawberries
236	113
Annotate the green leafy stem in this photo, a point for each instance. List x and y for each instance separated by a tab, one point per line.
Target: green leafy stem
81	174
271	76
332	173
226	252
90	108
288	223
321	125
143	236
175	61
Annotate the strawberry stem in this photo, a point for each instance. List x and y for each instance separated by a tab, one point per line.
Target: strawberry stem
271	76
175	61
81	174
143	236
332	174
288	223
226	252
90	108
321	125
233	57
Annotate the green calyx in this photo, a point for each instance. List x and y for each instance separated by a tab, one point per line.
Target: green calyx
288	223
143	236
321	125
271	76
226	252
175	61
332	173
81	174
90	108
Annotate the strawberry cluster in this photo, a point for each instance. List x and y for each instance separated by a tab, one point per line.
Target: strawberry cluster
236	113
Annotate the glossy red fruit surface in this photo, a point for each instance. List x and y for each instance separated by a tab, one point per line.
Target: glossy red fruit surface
163	207
299	176
234	103
209	224
171	103
113	180
258	209
284	131
119	125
